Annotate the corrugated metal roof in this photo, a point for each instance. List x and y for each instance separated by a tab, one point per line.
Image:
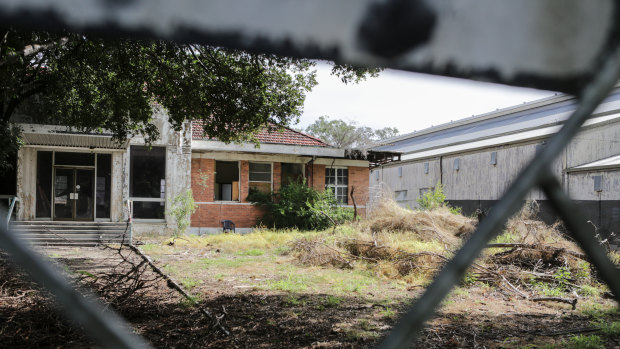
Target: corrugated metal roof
532	116
610	162
45	136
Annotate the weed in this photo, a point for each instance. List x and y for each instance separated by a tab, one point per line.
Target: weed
251	252
219	277
290	283
282	251
589	291
562	277
181	208
292	300
611	329
149	247
586	342
388	313
598	311
189	283
54	255
332	301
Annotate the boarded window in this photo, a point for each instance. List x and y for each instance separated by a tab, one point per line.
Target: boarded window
226	181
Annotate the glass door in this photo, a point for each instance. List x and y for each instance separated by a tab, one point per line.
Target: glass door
73	194
63	193
84	198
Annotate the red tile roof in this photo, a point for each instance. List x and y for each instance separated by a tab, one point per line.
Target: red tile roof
271	135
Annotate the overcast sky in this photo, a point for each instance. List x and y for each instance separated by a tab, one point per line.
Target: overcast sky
407	101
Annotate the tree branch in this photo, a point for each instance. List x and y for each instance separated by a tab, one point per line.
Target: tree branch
32	49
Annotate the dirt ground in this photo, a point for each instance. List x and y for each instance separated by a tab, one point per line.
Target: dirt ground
270	317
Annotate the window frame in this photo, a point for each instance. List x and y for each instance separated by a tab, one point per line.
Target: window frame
163	194
335	186
238	180
270	174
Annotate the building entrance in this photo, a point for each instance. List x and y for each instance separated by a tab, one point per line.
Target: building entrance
73	194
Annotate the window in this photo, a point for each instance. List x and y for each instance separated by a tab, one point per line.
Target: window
292	173
400	195
457	164
400	172
226	181
44	184
147	181
426	168
260	177
337	180
494	158
598	183
104	182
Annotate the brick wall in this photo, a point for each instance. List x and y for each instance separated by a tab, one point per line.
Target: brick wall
277	176
358	178
245	215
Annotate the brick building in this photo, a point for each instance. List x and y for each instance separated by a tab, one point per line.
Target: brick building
222	175
91	180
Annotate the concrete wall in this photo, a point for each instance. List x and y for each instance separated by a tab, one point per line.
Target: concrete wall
479	184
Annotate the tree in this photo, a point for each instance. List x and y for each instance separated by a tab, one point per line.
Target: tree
345	135
92	83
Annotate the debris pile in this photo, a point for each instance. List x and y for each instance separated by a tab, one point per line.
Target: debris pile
531	259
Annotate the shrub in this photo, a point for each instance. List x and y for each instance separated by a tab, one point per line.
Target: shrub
435	198
183	206
299	206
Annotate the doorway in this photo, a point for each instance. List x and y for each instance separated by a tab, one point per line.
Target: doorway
74	194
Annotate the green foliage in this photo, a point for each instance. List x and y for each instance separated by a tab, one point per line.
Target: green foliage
586	342
301	207
182	207
436	198
94	84
562	277
349	135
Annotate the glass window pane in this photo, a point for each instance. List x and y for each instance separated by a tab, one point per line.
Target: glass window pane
76	159
260	177
147	170
44	184
104	182
260	167
148	210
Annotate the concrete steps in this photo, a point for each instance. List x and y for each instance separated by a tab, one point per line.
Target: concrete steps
71	233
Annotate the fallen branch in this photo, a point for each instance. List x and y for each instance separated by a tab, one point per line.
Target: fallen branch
571	301
172	284
539	247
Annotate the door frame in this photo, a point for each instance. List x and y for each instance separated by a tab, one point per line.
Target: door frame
92	189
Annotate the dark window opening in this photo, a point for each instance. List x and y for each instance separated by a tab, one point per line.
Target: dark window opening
292	173
104	183
147	181
226	181
44	185
74	159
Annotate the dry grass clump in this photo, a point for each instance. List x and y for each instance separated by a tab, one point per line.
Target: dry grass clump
437	224
526	228
314	251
